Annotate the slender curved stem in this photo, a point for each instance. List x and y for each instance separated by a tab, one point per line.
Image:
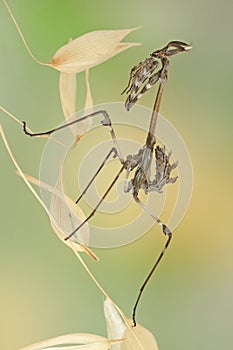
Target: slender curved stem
22	37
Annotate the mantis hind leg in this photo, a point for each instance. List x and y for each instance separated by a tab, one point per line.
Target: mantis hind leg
167	233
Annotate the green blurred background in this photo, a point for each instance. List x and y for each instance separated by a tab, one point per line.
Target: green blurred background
44	291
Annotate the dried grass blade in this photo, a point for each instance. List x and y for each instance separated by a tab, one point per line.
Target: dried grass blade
86	125
89	99
136	338
27	179
95	342
57	205
90	49
139	338
68	90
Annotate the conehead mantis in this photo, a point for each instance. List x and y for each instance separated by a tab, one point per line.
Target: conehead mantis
142	77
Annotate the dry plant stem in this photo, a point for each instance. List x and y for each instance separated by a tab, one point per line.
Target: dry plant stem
21	35
107	296
12	116
27	130
20	171
89	99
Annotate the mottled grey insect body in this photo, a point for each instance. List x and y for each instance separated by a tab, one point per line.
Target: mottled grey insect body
141	177
143	162
142	76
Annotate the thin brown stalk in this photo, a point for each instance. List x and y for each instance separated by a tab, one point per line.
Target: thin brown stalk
22	37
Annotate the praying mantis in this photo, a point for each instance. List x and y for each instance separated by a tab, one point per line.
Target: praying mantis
142	77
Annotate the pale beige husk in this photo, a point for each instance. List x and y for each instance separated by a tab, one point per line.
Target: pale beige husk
74	341
59	208
90	50
135	338
68	90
